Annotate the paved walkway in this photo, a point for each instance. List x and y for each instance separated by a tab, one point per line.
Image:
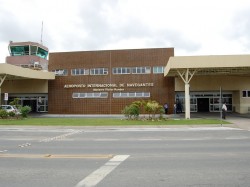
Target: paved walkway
241	121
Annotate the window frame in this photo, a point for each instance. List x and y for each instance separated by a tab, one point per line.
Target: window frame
121	70
58	72
141	70
158	69
79	71
131	94
89	95
98	71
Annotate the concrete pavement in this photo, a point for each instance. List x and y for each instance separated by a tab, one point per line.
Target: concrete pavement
241	121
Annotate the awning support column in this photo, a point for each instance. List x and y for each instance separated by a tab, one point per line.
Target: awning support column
186	76
2	78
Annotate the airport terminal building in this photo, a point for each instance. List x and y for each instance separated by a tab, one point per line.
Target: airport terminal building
104	82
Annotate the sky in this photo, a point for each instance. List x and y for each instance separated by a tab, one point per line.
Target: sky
192	27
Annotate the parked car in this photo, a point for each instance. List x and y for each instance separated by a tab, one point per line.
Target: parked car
10	108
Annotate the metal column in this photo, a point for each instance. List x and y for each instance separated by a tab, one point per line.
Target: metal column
2	78
186	76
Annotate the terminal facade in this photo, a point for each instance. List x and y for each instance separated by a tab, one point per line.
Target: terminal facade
105	81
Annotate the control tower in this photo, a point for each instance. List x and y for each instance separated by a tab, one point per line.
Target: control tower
28	55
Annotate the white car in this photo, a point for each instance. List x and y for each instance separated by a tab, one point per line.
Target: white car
10	108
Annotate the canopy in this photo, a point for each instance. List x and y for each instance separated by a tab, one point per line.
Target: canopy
188	66
12	72
209	65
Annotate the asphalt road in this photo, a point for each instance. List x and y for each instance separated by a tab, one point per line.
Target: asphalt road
124	157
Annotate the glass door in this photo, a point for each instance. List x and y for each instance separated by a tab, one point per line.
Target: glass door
42	104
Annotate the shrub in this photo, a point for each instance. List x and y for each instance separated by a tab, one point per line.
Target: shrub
152	107
161	111
3	114
15	102
132	111
24	111
12	114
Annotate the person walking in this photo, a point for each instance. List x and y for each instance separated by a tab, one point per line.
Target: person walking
224	110
166	108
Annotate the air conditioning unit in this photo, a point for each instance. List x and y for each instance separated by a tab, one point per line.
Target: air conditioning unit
36	64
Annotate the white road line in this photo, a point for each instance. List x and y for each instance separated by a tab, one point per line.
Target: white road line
25	145
99	174
60	137
165	129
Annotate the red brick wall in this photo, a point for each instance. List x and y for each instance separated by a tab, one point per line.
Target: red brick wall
60	99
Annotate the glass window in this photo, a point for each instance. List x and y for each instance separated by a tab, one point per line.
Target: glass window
33	50
244	93
81	95
99	71
79	72
130	94
121	70
116	95
60	72
158	69
103	94
19	50
75	95
124	95
90	95
141	70
138	94
42	53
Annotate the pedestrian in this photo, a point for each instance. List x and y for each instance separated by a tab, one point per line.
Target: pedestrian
224	110
166	108
175	108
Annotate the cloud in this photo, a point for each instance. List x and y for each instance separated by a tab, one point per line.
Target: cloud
240	28
105	25
192	27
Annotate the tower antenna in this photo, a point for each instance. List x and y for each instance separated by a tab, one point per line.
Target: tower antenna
42	33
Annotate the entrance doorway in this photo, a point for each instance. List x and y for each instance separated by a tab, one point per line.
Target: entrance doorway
31	103
37	102
206	101
203	104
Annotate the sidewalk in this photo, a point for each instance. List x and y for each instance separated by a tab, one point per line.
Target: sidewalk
241	121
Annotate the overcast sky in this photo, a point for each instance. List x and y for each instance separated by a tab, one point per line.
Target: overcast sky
192	27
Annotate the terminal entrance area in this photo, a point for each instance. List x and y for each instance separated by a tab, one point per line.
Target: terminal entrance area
203	104
37	102
205	101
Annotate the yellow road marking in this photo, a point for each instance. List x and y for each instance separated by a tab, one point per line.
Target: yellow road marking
73	156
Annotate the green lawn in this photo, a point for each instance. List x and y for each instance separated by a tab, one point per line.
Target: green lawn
104	122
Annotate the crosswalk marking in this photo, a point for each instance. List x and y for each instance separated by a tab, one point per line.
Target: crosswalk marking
94	178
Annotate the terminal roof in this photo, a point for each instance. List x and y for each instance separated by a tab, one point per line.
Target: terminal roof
13	72
209	65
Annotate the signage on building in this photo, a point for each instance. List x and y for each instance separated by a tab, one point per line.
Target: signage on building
110	85
6	96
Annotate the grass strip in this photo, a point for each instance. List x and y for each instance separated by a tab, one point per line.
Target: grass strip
105	122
